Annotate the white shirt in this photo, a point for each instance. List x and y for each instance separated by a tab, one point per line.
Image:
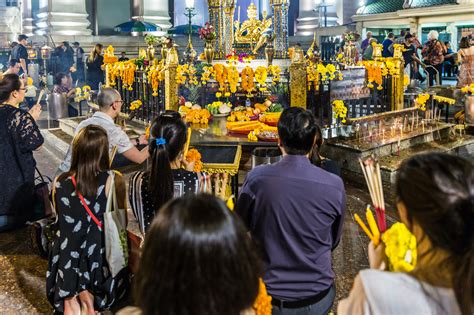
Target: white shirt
117	137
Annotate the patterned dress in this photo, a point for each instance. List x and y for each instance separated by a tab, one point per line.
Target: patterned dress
141	200
77	261
466	71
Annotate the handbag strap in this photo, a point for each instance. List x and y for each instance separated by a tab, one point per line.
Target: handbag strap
84	204
112	197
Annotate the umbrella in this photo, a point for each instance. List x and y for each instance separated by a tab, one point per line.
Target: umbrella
137	26
184	30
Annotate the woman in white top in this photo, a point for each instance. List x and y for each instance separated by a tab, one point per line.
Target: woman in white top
435	200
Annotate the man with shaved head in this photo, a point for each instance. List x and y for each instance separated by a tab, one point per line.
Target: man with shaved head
110	104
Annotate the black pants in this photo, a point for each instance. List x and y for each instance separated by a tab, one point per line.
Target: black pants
432	74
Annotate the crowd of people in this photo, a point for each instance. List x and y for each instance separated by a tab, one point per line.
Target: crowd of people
434	56
199	257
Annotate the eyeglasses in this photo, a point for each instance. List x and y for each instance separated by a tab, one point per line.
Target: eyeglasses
119	102
22	89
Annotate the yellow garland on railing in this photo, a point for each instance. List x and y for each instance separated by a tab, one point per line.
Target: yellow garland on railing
443	99
421	100
155	76
261	77
339	110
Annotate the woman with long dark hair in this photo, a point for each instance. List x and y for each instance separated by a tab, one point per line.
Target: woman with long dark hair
20	136
197	259
317	159
78	278
95	61
435	200
169	175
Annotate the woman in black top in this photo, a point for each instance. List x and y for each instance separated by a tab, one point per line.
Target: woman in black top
20	137
95	73
166	178
319	160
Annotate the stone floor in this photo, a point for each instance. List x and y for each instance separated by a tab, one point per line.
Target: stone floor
22	288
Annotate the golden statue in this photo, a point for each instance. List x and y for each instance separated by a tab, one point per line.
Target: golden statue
251	30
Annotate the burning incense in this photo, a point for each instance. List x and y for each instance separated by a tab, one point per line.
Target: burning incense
372	174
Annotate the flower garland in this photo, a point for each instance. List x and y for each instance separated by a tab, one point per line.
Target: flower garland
233	78
442	99
155	76
193	155
220	73
127	74
421	100
339	110
468	89
136	105
400	248
275	72
247	79
206	75
261	77
263	303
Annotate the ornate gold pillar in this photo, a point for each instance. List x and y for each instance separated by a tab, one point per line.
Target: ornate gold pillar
298	79
171	86
280	27
397	79
216	17
228	39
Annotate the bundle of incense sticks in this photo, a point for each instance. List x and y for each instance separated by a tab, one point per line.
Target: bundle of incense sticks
371	169
372	231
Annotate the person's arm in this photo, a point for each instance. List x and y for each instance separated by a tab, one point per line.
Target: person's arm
27	132
136	155
356	302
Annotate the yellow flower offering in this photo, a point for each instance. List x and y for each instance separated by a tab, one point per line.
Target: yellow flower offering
135	105
263	303
400	248
193	155
340	110
421	100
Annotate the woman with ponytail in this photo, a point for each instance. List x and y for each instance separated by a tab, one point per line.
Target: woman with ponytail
20	136
435	200
169	175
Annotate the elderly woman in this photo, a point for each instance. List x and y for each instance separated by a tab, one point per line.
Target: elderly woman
433	57
369	50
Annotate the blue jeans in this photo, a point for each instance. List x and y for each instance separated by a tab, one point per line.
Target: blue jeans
322	307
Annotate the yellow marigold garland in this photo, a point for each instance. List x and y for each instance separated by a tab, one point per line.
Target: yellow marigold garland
247	76
400	248
340	110
421	100
233	78
261	76
136	105
155	76
220	73
194	155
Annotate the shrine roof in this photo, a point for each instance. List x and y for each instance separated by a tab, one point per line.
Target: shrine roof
386	6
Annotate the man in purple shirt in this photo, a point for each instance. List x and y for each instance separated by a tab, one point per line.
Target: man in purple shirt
295	211
366	41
